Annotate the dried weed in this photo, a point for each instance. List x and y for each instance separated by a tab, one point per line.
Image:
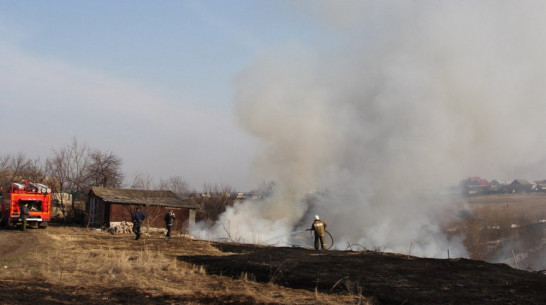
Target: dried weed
66	258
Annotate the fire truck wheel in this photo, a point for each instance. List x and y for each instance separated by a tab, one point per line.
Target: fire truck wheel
10	224
43	225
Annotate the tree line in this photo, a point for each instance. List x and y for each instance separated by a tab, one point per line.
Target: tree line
76	167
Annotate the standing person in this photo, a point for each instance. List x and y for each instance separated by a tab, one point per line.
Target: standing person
319	227
138	217
24	216
169	220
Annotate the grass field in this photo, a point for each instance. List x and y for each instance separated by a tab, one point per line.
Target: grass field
68	265
507	228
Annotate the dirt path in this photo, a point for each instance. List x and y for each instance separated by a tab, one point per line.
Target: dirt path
14	242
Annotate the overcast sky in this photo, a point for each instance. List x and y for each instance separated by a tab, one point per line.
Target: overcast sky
151	81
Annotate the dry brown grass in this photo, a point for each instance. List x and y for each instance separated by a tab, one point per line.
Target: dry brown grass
504	224
77	259
508	209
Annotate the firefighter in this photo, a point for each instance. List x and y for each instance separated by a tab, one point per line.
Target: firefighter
169	220
138	217
24	216
319	227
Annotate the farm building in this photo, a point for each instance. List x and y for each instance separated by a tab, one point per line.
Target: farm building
497	187
110	207
521	186
474	186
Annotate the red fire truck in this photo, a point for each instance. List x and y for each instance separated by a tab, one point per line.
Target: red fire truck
38	197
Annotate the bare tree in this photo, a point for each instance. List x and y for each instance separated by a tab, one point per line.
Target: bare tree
69	168
80	160
4	171
145	183
17	165
14	168
214	200
142	181
58	169
177	185
104	169
35	171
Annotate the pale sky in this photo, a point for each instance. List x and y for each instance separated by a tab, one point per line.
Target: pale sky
238	93
151	81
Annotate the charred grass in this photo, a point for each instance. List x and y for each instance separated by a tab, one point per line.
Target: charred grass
74	265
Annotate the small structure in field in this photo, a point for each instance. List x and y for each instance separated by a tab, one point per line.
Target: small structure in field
474	186
521	186
496	187
541	185
110	207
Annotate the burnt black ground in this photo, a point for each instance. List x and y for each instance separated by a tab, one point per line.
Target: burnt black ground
389	278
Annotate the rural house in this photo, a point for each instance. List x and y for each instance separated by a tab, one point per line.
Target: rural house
110	207
521	186
497	187
474	186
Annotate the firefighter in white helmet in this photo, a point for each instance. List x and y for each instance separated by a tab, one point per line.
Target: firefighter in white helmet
319	227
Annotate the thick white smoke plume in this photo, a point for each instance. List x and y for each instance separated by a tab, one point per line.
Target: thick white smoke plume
409	98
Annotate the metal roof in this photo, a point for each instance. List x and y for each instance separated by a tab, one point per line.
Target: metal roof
144	197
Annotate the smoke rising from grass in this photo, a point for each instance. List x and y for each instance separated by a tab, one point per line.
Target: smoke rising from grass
406	100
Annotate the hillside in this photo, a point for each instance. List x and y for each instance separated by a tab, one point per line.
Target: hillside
74	265
387	278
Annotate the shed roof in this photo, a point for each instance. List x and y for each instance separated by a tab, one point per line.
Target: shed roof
131	196
474	181
521	182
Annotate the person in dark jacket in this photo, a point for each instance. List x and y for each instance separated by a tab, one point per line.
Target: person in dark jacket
169	220
319	227
138	217
24	216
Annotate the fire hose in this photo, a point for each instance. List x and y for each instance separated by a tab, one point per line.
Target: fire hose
328	245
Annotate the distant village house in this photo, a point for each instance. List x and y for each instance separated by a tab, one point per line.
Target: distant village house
473	186
521	186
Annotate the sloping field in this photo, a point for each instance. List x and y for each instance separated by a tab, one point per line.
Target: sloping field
80	266
63	265
386	278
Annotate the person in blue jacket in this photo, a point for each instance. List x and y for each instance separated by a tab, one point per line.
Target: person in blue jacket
138	217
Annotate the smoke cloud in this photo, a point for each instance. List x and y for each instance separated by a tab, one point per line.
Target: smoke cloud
408	99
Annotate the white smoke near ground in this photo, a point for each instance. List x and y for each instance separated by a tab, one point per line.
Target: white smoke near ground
409	99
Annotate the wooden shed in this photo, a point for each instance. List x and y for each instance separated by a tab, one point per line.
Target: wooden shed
110	207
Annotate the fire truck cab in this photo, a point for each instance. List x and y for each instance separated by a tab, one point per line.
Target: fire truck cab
38	198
